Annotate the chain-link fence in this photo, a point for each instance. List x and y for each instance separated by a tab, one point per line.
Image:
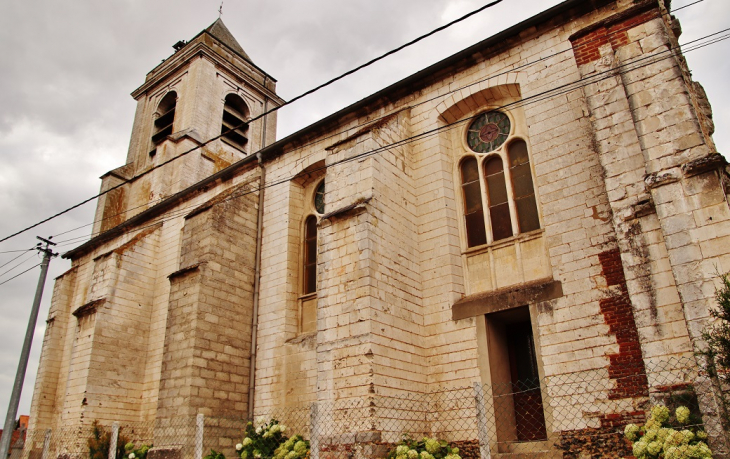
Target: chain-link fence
573	415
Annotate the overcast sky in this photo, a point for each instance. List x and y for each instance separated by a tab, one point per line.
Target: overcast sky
67	70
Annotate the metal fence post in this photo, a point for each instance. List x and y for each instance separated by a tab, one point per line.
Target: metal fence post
484	451
113	441
314	431
46	445
199	423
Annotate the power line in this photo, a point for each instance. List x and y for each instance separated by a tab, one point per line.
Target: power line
18	275
274	109
7	263
523	102
337	133
22	262
685	6
559	90
16	251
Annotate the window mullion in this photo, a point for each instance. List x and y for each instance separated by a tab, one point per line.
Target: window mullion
485	201
510	193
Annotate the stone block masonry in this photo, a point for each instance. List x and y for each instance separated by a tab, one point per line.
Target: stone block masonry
629	225
206	360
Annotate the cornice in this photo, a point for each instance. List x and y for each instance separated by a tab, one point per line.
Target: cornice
201	50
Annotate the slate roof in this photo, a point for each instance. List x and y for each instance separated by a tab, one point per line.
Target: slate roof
221	32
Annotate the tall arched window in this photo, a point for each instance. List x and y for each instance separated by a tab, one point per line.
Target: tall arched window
308	297
524	191
508	194
234	128
498	200
473	210
164	118
310	255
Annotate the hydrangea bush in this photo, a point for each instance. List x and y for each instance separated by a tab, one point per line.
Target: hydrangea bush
136	453
658	438
268	441
427	448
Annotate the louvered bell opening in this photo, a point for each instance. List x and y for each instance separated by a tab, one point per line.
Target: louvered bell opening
234	130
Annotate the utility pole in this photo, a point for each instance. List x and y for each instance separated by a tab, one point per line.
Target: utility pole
24	354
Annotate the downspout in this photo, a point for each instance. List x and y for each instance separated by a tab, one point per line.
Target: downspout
257	275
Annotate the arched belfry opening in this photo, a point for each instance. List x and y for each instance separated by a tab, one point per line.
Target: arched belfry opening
164	118
234	126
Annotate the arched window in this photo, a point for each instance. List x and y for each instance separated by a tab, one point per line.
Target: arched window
234	128
309	240
308	297
498	200
165	117
489	137
310	255
524	191
473	210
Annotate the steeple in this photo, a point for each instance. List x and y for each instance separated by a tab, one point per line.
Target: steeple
202	104
222	34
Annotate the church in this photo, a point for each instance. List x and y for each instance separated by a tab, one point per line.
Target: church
544	206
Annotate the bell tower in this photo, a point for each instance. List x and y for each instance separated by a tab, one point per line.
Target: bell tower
197	113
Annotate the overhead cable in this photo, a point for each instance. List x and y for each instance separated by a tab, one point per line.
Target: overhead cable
559	90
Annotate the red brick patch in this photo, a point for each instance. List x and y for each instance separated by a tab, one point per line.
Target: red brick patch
626	366
585	47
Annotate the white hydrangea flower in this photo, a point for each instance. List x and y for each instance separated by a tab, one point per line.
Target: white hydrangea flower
651	434
131	456
682	414
639	448
671	453
653	448
688	436
662	434
660	413
631	431
239	446
432	445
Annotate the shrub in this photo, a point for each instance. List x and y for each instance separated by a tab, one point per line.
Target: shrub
269	441
426	448
136	453
663	437
100	442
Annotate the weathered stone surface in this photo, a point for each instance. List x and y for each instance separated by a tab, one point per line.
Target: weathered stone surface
632	227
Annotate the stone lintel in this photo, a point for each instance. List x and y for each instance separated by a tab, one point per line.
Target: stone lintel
221	197
183	271
345	211
707	163
368	128
88	308
506	298
124	173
